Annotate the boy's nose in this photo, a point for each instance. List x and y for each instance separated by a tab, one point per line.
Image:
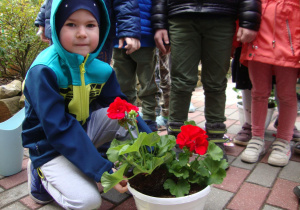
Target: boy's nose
81	33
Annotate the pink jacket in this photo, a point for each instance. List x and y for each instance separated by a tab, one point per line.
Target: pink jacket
278	39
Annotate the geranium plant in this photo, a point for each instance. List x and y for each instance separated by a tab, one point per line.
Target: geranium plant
198	162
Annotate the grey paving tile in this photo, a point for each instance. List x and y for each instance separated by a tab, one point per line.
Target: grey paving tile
229	111
51	206
230	159
13	194
268	207
234	129
234	116
238	163
221	196
16	205
264	174
114	196
291	172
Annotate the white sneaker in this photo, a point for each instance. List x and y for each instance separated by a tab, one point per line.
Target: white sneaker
254	149
281	153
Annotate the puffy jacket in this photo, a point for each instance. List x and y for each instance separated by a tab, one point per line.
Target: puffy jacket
278	39
125	13
147	34
247	11
62	89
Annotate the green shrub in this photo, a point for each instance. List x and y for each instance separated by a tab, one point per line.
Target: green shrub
19	44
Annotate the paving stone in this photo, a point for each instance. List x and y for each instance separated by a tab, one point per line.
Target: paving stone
282	195
51	206
27	201
291	172
129	204
114	196
234	150
106	205
234	116
1	189
229	111
250	196
234	179
221	196
268	207
234	129
13	194
240	164
264	175
14	180
230	159
16	205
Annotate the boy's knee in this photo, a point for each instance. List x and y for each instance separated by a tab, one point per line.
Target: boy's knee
86	201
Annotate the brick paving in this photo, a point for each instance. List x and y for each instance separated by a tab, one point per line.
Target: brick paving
247	186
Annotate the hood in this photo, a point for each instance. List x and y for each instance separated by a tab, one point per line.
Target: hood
67	56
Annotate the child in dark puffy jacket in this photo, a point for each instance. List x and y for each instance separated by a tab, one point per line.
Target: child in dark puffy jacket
123	14
140	66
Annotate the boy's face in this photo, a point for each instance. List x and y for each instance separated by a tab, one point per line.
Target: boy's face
80	33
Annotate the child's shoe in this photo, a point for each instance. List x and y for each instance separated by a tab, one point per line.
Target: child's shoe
297	148
161	121
254	149
244	135
281	153
35	187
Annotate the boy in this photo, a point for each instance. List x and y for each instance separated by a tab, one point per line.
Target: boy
66	90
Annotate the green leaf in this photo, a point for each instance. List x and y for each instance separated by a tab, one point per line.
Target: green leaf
165	144
179	189
214	151
108	181
217	171
192	122
179	170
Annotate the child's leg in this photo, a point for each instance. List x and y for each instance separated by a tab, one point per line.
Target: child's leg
286	79
145	67
261	78
71	189
102	129
247	100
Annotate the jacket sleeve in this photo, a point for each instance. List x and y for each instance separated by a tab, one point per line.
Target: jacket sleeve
40	19
250	14
127	18
63	132
159	17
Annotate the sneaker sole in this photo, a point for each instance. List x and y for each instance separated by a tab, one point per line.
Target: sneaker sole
243	143
29	187
247	160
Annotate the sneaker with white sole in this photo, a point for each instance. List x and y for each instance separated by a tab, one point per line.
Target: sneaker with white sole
35	187
281	153
254	149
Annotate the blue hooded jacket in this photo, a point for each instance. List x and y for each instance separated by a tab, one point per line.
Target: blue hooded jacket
62	89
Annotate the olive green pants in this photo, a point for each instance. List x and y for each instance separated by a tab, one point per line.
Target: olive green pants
138	65
193	40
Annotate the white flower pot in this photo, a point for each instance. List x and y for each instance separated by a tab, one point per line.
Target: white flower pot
191	202
242	117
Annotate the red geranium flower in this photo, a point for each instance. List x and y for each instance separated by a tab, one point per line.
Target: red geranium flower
117	109
194	138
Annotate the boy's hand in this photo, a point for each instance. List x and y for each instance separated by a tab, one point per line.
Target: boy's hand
245	35
41	33
121	187
162	41
133	44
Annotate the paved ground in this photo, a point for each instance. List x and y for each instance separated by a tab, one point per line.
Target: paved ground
247	186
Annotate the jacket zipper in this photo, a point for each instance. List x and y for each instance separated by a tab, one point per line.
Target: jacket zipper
82	92
290	36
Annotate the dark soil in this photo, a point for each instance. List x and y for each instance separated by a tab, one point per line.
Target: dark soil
152	184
